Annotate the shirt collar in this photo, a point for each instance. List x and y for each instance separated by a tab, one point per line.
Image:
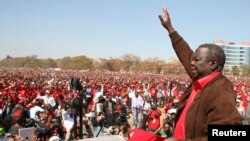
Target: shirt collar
202	82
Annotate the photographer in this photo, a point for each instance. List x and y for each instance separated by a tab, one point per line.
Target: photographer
98	125
117	109
99	106
42	131
68	122
99	100
170	117
123	116
37	108
86	127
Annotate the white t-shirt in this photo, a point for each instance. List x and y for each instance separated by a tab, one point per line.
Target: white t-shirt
33	111
99	107
98	94
131	94
137	102
68	121
48	99
146	106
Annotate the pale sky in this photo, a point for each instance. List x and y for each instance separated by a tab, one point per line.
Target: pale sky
112	28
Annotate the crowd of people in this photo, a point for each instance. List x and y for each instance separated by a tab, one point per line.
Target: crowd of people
70	105
111	103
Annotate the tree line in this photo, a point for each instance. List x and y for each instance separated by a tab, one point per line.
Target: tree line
125	63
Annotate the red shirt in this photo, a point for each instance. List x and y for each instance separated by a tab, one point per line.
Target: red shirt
198	85
244	99
153	92
154	119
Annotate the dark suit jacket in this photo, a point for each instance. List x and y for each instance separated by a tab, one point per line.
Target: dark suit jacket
215	104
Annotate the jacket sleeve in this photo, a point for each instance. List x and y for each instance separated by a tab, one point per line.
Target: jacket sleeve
182	50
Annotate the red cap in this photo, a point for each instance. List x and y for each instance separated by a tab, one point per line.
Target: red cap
139	90
139	134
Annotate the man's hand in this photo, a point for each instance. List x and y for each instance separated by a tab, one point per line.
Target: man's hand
165	20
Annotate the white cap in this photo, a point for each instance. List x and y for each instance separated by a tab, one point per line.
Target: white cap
171	111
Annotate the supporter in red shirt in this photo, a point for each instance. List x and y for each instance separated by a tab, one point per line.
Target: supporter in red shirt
244	96
154	119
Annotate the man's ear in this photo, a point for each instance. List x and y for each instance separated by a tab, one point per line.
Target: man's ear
214	64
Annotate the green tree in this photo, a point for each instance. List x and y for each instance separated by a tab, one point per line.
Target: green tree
245	70
32	62
64	63
129	60
81	62
115	64
100	64
48	63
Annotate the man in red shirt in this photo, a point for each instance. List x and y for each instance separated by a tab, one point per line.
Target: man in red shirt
200	105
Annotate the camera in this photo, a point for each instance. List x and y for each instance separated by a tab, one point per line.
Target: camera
41	129
55	123
86	124
169	121
112	130
30	123
75	103
101	99
88	97
122	118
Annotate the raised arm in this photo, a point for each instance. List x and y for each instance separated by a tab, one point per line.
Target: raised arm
182	49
